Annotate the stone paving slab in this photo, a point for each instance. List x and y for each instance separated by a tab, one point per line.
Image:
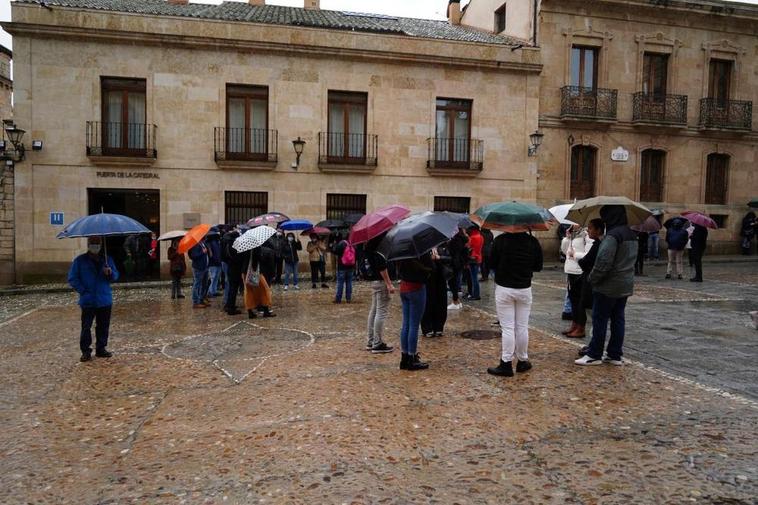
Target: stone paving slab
198	407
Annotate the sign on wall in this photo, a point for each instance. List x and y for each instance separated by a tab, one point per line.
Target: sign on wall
56	218
620	154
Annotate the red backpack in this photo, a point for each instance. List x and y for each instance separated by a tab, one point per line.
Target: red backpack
348	255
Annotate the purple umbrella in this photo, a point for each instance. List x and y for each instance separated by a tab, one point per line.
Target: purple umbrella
649	225
700	219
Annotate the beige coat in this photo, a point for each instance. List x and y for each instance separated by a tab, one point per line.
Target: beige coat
316	250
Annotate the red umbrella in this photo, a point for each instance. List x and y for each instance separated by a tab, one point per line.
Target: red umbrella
318	230
377	222
699	218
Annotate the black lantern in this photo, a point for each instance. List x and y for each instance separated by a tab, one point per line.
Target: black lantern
299	145
536	141
14	134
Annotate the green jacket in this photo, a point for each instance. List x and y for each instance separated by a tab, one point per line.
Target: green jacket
613	273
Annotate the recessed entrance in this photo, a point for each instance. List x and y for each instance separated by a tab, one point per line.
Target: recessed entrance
130	253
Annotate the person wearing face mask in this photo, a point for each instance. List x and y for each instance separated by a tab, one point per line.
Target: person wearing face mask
91	275
289	253
278	243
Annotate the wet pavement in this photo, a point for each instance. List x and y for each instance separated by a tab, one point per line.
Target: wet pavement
200	407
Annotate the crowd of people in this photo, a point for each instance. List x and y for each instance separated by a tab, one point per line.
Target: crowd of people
601	261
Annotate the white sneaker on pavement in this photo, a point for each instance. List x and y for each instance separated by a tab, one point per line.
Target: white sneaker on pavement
455	306
587	361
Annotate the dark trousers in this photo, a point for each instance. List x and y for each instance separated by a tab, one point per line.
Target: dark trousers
102	318
696	259
176	285
316	268
605	308
575	284
435	312
639	264
232	288
279	270
454	283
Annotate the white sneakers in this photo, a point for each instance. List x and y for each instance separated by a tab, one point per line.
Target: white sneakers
587	361
455	306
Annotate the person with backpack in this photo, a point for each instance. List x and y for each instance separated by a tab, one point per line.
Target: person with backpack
344	252
178	267
291	261
676	238
374	269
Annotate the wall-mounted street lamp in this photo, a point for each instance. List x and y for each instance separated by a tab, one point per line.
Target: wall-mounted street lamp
536	141
299	145
12	135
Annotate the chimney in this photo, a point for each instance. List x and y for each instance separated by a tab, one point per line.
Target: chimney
454	12
256	2
312	4
178	2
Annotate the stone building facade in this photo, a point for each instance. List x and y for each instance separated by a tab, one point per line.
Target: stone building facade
6	175
650	100
423	113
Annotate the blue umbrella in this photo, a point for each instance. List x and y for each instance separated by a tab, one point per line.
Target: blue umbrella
296	224
102	225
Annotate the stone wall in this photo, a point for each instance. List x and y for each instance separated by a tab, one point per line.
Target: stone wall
6	226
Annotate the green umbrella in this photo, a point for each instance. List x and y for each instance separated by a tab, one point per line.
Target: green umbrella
513	217
753	203
584	211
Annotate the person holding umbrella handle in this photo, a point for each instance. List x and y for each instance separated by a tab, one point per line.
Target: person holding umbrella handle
91	275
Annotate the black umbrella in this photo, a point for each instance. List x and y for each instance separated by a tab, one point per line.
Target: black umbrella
351	219
464	221
418	234
332	224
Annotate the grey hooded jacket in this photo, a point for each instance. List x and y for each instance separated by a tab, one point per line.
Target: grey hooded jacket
613	273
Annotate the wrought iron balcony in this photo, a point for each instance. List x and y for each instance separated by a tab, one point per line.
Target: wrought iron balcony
245	144
135	140
726	114
661	109
455	154
588	103
338	148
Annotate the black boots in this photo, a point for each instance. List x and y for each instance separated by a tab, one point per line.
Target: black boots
503	369
251	314
523	366
412	362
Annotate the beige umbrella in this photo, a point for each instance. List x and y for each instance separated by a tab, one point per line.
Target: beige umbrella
583	211
171	235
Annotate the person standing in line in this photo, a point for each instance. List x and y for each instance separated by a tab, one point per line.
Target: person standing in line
515	257
199	257
676	239
435	312
317	258
152	255
413	277
476	243
91	275
574	246
277	243
375	270
747	232
612	280
345	254
642	239
291	260
698	240
258	297
177	268
213	242
458	258
595	231
489	238
653	240
235	268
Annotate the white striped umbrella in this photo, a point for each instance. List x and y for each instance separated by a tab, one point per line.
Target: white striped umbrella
253	238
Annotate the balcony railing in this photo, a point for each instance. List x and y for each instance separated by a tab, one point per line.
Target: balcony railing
121	139
728	114
455	153
245	144
588	103
347	148
663	109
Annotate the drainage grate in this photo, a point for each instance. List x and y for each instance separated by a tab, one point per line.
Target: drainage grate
481	334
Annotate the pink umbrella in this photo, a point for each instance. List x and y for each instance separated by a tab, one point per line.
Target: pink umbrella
377	222
318	230
695	217
649	225
270	218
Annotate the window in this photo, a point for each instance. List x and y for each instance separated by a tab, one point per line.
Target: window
246	121
655	74
716	177
651	175
583	159
123	115
453	131
720	79
584	65
339	205
500	19
242	206
460	204
346	138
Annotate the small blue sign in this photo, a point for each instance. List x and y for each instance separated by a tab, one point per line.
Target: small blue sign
56	218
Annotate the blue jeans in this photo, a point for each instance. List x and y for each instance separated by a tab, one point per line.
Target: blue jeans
652	245
605	308
567	304
215	273
198	285
290	269
474	270
414	304
344	279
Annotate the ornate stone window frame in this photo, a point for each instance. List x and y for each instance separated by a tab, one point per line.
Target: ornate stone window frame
589	38
653	145
717	149
600	163
660	44
723	49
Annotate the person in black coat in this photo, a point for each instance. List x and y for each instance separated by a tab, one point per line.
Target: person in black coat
458	261
435	312
234	263
698	241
